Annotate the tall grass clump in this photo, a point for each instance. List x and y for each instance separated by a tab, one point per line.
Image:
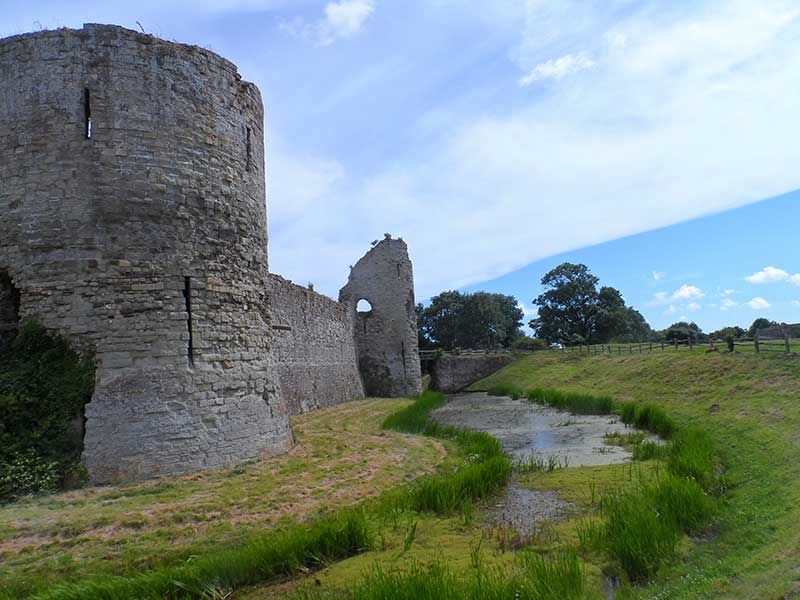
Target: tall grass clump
277	554
448	493
682	500
649	417
692	455
636	534
579	404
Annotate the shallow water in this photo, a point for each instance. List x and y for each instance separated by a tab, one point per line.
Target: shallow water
526	429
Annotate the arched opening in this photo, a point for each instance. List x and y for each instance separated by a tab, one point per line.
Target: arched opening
363	307
9	310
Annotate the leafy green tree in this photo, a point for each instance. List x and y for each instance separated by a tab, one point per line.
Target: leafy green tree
572	310
761	323
682	332
478	320
733	331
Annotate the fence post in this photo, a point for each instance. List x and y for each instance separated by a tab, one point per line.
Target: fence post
651	347
676	343
755	340
786	341
662	346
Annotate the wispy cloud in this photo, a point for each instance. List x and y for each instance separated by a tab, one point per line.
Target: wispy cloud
659	275
340	20
728	304
558	68
758	303
729	292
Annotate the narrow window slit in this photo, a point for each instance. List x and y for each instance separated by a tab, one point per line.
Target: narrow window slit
187	298
249	147
87	111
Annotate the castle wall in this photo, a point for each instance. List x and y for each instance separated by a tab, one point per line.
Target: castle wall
145	243
454	372
386	336
313	348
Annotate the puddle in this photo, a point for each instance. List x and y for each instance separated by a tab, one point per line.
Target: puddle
525	510
526	429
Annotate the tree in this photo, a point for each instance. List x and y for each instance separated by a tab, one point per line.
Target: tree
761	323
567	309
682	332
734	332
571	310
478	320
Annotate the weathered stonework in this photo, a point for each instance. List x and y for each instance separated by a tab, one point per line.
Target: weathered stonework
454	372
132	190
145	243
313	348
386	336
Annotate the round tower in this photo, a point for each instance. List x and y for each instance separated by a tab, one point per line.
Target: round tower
134	222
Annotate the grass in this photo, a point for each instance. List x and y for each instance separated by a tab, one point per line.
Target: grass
341	458
487	472
534	577
297	548
749	406
281	553
643	526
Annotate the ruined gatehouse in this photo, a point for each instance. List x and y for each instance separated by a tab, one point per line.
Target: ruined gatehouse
132	189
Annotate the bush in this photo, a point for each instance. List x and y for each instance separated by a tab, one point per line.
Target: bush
528	343
44	386
27	474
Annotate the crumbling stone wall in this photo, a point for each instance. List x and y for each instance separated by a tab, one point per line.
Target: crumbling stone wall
454	372
386	336
313	348
134	222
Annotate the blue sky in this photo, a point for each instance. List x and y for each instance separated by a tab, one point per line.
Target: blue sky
493	134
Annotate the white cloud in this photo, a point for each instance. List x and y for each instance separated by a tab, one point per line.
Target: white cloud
795	279
729	292
674	120
687	292
768	275
758	303
671	309
693	307
659	275
346	17
727	304
558	68
795	302
342	19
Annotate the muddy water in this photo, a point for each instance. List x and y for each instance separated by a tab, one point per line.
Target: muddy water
526	429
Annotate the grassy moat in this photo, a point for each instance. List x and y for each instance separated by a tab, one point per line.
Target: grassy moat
412	536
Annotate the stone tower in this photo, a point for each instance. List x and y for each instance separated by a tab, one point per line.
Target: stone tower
386	335
132	195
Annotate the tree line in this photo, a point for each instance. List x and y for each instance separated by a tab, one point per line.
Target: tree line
573	309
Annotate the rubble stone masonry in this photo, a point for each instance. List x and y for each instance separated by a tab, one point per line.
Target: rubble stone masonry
134	222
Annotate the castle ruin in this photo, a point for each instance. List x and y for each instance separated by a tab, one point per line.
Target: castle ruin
132	187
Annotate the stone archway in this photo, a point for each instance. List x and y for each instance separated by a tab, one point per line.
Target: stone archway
9	310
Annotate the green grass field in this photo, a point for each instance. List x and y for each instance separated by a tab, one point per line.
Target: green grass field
429	544
750	405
